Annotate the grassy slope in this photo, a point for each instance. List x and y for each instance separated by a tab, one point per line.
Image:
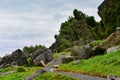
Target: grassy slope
53	76
101	65
56	55
17	75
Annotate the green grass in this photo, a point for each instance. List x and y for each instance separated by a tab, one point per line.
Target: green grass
56	55
101	65
19	75
53	76
6	69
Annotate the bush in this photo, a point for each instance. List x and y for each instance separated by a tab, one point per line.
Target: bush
20	69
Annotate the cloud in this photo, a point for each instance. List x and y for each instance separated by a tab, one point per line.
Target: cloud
30	22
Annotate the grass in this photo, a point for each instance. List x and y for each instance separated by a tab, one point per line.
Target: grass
101	65
53	76
18	75
6	69
56	55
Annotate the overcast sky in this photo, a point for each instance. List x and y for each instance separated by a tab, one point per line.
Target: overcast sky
30	22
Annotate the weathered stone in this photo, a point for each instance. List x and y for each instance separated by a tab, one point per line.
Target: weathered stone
112	40
75	51
86	52
109	50
111	77
48	55
38	59
44	55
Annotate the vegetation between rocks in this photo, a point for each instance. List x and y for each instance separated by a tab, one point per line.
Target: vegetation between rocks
101	65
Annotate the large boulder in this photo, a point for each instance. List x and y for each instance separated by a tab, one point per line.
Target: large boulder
45	56
75	51
48	55
16	58
86	52
19	58
38	59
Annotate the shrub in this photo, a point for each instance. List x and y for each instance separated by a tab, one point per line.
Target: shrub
20	69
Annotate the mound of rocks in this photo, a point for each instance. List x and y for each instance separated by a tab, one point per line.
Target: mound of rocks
19	58
16	58
42	57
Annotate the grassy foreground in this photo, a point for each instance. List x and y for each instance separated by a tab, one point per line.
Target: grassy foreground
17	75
101	65
53	76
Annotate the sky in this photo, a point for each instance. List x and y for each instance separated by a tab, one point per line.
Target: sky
31	22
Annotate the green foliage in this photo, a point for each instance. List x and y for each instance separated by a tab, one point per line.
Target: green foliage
111	15
29	60
32	49
53	76
72	30
56	55
91	21
19	75
6	69
78	15
102	65
20	69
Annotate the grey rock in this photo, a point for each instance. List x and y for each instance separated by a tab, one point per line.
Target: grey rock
109	50
112	77
75	51
45	55
86	52
38	59
48	55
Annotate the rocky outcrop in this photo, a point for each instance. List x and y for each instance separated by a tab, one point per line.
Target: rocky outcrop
112	40
19	58
109	11
16	58
79	33
86	52
75	51
41	57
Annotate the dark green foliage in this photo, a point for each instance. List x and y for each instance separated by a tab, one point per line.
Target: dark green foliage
78	27
78	15
91	21
20	69
32	49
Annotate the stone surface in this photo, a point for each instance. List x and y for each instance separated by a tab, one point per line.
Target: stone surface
16	58
111	77
38	59
109	50
86	51
111	41
45	55
75	51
